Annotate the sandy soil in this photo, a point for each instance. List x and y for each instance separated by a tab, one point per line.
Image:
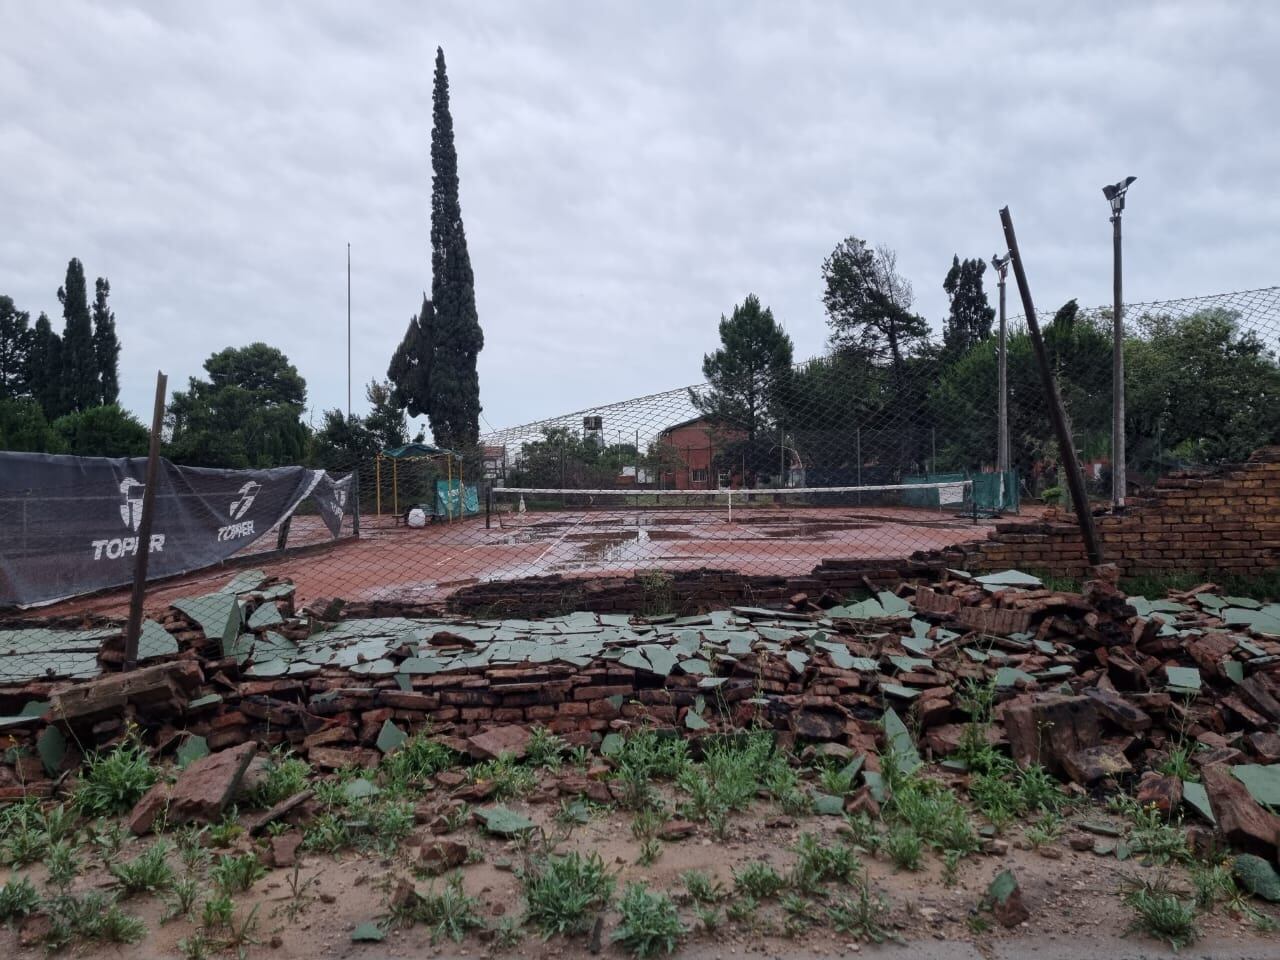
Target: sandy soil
1073	899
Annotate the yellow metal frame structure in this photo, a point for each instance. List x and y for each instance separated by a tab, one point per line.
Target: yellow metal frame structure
448	457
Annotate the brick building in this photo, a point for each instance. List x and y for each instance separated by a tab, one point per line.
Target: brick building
693	445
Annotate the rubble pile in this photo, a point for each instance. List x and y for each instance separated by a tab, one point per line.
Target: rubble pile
1096	686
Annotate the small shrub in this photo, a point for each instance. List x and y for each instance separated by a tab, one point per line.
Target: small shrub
23	838
418	758
93	917
218	911
561	892
650	924
114	781
818	862
146	873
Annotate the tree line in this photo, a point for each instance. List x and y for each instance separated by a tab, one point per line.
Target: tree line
889	400
59	391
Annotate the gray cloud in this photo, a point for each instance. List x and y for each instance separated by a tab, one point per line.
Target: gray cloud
629	171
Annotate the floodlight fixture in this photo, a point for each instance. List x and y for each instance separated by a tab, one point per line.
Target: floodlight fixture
1114	192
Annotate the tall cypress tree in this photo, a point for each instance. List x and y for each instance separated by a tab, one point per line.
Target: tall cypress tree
80	386
44	367
106	348
969	319
410	369
454	410
15	350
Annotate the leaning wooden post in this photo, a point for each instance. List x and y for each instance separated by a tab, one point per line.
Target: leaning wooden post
134	628
1075	479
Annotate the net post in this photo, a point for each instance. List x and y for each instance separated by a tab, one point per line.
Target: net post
355	501
488	503
282	537
134	626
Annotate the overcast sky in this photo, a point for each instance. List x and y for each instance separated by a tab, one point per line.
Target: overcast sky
628	171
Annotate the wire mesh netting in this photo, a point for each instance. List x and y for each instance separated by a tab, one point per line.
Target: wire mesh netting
855	455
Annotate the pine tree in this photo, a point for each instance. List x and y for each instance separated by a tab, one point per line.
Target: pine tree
44	368
15	350
80	386
969	321
106	348
454	409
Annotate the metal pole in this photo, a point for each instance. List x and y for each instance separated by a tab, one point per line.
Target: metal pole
1002	403
1117	374
348	332
134	627
1075	481
355	500
858	436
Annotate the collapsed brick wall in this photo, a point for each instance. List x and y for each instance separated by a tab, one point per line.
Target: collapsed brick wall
1204	523
686	591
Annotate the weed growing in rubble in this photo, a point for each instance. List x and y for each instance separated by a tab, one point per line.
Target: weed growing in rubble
818	861
108	836
191	848
24	839
240	936
758	880
744	910
449	912
650	924
226	831
18	898
114	781
1044	831
798	912
1178	764
148	872
1159	840
545	749
183	901
510	779
236	873
1212	882
929	810
905	848
418	758
195	947
702	887
708	916
862	830
61	822
93	917
863	917
63	865
837	781
648	822
218	911
650	851
1160	914
286	776
389	823
563	892
951	867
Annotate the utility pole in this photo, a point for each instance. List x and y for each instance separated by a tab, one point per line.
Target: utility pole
1002	409
1115	196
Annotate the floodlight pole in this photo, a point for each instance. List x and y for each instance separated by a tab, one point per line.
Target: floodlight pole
1117	363
1002	411
348	332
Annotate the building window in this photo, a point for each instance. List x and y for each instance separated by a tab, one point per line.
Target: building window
699	476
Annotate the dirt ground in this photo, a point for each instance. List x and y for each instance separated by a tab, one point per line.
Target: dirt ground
1073	898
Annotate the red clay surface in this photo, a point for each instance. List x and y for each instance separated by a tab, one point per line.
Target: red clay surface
392	562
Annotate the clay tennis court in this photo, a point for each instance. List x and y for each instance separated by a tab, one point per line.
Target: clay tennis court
391	561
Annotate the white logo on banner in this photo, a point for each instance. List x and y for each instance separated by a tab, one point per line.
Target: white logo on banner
113	548
240	506
131	509
239	528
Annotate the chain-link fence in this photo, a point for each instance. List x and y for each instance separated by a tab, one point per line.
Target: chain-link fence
761	471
